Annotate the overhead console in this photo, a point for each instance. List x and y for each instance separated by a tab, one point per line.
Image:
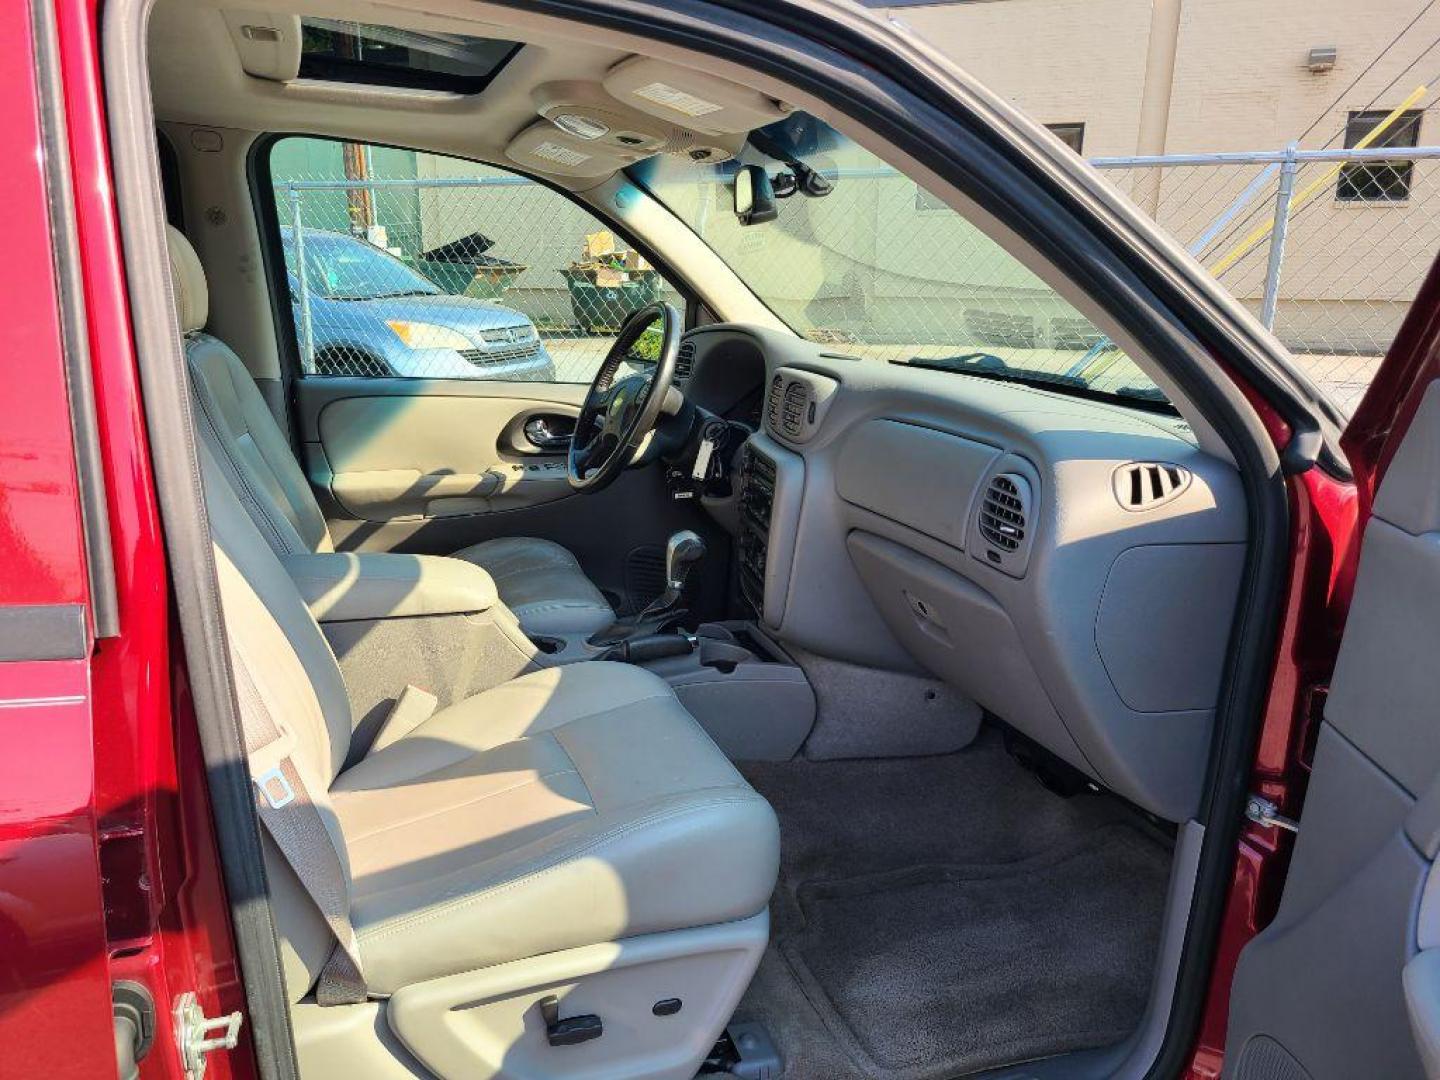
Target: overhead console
641	108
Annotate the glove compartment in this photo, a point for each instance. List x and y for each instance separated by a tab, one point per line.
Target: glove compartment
962	635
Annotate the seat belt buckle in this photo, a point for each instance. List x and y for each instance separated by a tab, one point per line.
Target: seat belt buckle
275	789
266	768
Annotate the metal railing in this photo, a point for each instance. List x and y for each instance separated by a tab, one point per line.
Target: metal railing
1328	247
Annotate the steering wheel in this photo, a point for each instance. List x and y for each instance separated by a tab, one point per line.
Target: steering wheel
618	414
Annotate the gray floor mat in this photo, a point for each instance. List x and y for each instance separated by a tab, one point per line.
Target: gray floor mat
944	970
941	915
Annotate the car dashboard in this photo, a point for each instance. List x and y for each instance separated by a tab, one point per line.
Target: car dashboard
1073	566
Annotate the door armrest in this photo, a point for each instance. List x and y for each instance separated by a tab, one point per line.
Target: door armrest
345	586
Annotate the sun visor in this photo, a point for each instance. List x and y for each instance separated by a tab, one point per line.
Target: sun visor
692	99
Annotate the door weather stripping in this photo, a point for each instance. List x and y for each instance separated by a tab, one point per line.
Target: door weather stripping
1264	812
197	1034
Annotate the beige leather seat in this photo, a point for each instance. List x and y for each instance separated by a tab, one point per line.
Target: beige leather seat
540	581
573	832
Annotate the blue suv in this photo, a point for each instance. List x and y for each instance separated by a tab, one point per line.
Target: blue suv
371	314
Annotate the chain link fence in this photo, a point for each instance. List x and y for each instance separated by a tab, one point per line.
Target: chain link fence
490	275
1328	247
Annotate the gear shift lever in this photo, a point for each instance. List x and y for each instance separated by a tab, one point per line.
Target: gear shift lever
684	550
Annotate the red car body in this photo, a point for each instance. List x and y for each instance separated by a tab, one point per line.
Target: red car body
108	867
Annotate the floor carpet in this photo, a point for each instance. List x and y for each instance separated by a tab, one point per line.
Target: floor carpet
940	916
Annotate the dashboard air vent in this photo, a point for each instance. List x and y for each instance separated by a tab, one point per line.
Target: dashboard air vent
792	409
1144	485
1003	511
685	361
796	402
772	401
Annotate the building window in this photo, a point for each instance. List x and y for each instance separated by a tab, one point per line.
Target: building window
1378	181
1072	135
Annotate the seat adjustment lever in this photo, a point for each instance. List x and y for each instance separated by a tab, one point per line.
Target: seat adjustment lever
571	1031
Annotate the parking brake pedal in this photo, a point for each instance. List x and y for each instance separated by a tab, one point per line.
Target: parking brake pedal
571	1031
747	1051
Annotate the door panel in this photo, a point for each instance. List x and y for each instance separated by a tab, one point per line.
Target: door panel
440	454
1321	991
432	466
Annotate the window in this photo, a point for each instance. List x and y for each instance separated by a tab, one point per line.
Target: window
342	51
1378	181
1072	135
170	180
422	266
882	274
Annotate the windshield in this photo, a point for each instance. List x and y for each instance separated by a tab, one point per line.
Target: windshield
886	271
340	267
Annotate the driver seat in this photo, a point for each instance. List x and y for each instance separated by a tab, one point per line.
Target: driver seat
538	580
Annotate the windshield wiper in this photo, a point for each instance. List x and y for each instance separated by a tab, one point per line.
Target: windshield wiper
1143	393
983	365
989	366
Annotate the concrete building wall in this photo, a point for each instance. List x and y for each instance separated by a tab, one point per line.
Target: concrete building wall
1059	61
1234	79
1238	80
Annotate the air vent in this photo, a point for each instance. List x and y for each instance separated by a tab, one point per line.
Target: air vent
1144	485
1003	512
772	401
685	361
792	409
796	403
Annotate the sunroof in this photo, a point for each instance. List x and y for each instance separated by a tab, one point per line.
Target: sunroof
344	51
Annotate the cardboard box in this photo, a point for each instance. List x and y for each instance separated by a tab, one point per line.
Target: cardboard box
634	261
598	244
608	278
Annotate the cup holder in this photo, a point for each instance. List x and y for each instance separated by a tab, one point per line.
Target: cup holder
723	656
548	645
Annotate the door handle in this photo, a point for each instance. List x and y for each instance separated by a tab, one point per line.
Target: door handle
540	433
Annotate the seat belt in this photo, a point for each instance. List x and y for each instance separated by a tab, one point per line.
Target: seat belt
411	709
294	823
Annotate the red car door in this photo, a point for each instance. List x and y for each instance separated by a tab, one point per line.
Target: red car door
54	993
112	910
1345	981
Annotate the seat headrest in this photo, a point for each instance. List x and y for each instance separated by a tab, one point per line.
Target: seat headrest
187	278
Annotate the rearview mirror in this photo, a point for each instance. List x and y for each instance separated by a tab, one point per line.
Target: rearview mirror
754	197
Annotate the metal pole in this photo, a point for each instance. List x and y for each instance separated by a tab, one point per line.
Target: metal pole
1258	157
1277	237
297	239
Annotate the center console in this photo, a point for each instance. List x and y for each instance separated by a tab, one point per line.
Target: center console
757	506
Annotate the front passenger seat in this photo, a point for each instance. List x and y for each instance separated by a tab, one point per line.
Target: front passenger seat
567	846
538	580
